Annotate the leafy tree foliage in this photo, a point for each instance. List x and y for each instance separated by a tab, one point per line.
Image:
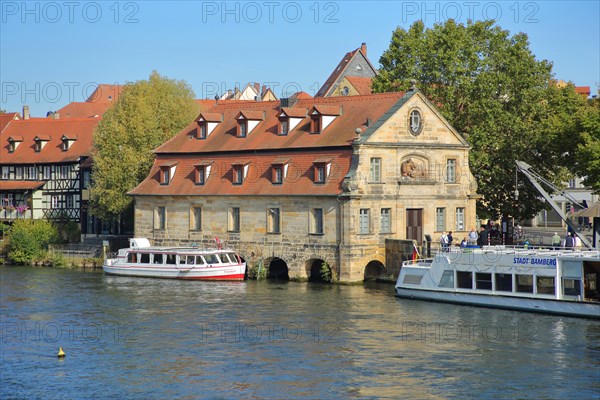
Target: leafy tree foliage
147	113
587	154
492	89
28	240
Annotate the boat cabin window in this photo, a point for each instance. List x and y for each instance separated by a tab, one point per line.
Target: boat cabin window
170	258
232	258
447	280
464	280
545	284
483	280
199	260
504	282
182	260
131	257
524	283
158	259
145	258
211	258
571	287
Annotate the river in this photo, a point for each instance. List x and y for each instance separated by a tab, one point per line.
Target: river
136	338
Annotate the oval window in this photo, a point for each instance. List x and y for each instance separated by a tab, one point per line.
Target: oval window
415	122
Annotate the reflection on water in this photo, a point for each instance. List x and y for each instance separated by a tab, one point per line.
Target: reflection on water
150	338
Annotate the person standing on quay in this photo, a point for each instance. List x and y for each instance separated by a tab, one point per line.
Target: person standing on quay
569	241
473	236
556	241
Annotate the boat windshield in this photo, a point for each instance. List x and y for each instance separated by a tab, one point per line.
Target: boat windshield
211	259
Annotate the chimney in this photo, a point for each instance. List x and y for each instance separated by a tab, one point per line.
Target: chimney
25	112
363	48
56	115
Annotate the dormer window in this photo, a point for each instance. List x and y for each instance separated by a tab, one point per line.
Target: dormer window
289	118
247	121
202	172
239	171
322	116
279	171
66	142
207	122
13	143
40	142
284	126
166	173
322	166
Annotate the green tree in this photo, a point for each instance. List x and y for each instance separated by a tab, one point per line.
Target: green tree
28	240
587	154
148	113
492	89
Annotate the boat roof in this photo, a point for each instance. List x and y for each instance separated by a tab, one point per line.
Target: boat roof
181	250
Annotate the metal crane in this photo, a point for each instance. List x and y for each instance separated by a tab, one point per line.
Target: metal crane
535	180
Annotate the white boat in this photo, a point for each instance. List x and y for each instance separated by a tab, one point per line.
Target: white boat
142	259
547	281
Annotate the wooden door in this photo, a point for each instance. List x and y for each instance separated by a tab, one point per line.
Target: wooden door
414	224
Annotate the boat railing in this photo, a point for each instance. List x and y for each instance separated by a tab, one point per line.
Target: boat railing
520	251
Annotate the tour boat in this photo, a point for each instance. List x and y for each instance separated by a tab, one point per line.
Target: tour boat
142	259
547	281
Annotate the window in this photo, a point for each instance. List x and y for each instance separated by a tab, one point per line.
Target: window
32	173
54	201
320	172
316	221
386	218
363	221
196	219
238	174
315	124
447	280
47	172
164	176
451	170
200	175
375	169
273	220
242	128
284	124
64	172
144	258
571	286
504	282
38	145
234	219
483	280
11	146
202	134
70	201
64	144
19	173
464	280
160	218
277	177
524	283
460	219
87	179
545	285
415	122
440	219
5	172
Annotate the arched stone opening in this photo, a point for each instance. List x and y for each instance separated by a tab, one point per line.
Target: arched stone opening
318	271
374	270
278	270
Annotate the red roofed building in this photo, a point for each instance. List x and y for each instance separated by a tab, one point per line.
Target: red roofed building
301	182
41	169
95	106
5	118
354	64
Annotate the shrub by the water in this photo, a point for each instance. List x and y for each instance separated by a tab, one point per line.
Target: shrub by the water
28	240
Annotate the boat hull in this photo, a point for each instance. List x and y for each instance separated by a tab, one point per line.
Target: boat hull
228	273
547	306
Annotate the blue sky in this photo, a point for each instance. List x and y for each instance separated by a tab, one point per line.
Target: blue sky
52	53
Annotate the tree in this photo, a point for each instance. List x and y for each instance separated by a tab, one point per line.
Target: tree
147	113
587	154
492	89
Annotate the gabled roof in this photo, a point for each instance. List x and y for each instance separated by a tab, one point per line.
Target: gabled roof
362	84
355	111
255	115
210	117
101	99
5	118
294	112
105	93
52	130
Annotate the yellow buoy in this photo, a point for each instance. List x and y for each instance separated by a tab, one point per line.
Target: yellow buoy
61	353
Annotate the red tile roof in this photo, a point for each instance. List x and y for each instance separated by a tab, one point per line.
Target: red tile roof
83	110
361	84
105	94
265	147
53	130
210	117
355	111
5	118
295	112
21	185
301	95
585	90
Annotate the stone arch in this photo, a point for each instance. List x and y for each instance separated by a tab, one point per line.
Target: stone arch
374	270
277	269
313	270
415	165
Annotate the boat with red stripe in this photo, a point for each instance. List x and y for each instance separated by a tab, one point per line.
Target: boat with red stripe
142	259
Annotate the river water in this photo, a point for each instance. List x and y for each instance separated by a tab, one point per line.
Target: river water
136	338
